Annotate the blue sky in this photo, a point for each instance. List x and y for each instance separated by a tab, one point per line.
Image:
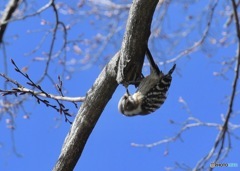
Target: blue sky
38	140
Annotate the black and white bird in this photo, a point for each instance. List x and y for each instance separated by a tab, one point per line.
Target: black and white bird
151	92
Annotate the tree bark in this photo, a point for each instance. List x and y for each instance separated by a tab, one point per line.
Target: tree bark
135	41
7	14
90	111
133	50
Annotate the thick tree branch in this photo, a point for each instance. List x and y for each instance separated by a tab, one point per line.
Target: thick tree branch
134	45
7	14
135	41
95	102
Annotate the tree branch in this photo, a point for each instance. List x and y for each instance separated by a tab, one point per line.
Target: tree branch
95	102
134	44
23	90
198	43
186	126
7	14
135	41
219	144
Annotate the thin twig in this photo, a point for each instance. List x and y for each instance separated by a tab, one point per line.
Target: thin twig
50	54
21	90
197	44
221	138
185	127
39	11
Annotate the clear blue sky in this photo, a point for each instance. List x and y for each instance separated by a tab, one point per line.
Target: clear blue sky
38	140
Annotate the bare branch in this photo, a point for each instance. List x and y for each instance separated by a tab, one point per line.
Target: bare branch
21	90
24	90
185	127
105	85
192	122
39	11
129	70
57	23
7	14
221	138
88	114
197	44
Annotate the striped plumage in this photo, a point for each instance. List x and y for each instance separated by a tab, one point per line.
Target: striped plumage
157	95
151	92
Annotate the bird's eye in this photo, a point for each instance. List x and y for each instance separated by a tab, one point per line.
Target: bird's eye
125	97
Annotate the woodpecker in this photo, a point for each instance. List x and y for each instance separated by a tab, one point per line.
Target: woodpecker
151	92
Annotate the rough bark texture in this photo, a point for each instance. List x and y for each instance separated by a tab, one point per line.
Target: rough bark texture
90	111
7	14
133	50
135	41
